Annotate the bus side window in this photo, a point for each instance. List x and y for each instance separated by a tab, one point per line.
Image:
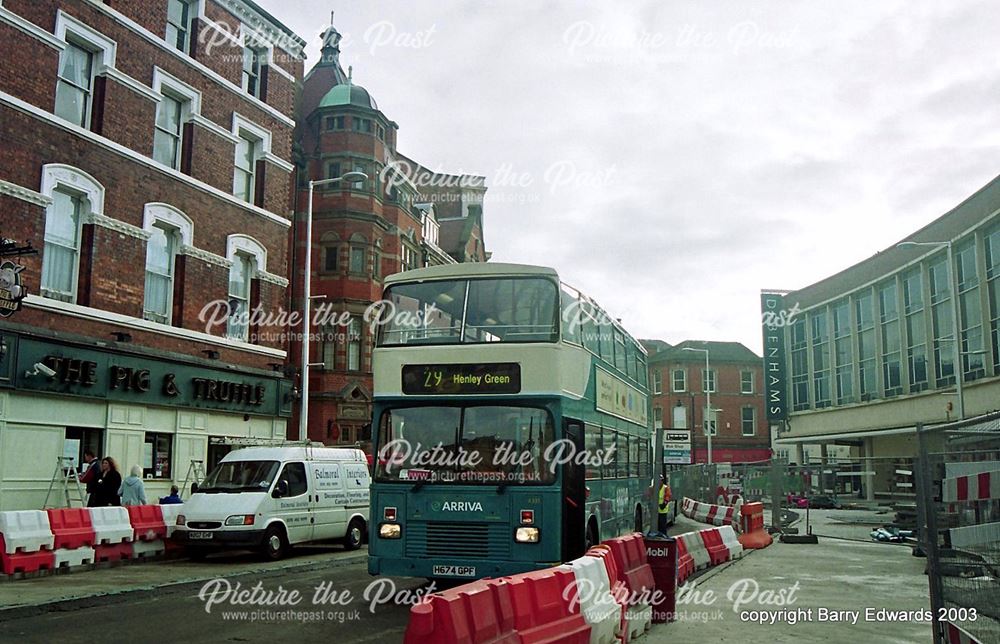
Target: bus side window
633	456
623	446
592	444
611	453
643	459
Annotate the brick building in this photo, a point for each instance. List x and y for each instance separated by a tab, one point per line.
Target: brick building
403	216
148	158
678	385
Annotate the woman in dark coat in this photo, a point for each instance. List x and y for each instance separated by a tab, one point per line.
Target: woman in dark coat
108	482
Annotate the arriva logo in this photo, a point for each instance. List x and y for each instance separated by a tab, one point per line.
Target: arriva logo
462	506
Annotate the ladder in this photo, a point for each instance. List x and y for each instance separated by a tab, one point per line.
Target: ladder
195	474
69	480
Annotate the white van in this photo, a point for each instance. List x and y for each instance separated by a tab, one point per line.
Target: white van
274	497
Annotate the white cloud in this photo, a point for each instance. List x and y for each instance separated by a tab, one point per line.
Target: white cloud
730	146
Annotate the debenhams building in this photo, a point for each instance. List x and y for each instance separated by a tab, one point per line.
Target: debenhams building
868	353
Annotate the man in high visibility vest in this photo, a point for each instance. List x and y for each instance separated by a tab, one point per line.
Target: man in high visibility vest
664	505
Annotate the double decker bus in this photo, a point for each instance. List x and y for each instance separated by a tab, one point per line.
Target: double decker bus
511	424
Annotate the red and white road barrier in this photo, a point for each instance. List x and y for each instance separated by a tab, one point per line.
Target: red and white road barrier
36	540
718	515
984	486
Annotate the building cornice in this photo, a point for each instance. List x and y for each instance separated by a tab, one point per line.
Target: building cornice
205	256
24	194
271	278
118	226
22	24
139	324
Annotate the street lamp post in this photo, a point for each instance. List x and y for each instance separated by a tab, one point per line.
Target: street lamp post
307	297
708	401
956	333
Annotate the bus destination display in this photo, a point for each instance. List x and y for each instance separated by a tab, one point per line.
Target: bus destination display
442	379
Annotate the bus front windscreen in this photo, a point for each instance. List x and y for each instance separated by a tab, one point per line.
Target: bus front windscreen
465	444
523	309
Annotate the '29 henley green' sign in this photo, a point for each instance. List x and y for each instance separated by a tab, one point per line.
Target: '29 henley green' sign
136	379
443	379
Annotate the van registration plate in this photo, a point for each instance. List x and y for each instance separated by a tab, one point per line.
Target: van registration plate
203	536
455	571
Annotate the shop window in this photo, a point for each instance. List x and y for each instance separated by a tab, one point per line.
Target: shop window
80	440
157	456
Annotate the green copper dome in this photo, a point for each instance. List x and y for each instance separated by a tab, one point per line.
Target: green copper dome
348	94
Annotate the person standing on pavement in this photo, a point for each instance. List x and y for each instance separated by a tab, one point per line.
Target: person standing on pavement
663	505
132	491
90	475
109	481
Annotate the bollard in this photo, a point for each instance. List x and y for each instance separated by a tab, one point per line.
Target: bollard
661	553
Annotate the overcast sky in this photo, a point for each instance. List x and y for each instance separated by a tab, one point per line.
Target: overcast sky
671	158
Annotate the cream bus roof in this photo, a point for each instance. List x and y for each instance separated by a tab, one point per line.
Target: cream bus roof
472	269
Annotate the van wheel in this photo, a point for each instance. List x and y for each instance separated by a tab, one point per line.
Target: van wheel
355	534
275	544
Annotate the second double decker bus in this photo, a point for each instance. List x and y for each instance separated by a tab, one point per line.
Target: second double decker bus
511	424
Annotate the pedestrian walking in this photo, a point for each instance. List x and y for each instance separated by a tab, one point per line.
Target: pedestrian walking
132	491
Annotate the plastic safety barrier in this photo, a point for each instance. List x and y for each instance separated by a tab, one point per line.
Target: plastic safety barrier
717	551
147	522
73	557
169	513
752	524
475	612
144	549
730	539
696	548
111	525
543	609
24	562
71	528
718	515
955	635
592	593
685	563
636	574
113	552
26	531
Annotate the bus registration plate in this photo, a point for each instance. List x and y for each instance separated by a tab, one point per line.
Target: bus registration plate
455	571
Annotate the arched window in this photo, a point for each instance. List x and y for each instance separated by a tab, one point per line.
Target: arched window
330	249
76	196
249	258
168	229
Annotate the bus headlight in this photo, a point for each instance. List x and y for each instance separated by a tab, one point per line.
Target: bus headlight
526	535
390	531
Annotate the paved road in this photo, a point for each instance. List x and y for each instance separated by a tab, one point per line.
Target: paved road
334	603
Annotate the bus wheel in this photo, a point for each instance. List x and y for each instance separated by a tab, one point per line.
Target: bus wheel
355	534
638	520
275	544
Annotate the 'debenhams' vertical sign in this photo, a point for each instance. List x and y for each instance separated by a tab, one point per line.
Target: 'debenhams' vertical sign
775	386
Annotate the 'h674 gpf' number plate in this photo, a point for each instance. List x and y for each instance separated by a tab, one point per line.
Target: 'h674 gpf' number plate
455	571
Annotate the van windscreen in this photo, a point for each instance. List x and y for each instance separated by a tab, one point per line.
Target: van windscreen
240	476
